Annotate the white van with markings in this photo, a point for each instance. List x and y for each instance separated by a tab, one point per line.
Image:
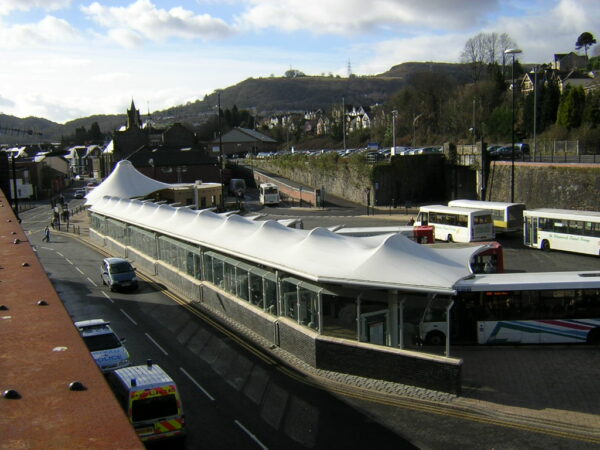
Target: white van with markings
151	401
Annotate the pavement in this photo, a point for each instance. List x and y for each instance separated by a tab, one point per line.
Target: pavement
553	389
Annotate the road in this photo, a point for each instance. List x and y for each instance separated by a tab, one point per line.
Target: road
236	396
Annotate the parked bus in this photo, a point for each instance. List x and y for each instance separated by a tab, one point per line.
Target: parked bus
490	259
420	234
268	194
506	216
454	224
518	308
562	229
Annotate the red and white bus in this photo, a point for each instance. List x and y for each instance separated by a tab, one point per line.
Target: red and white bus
490	259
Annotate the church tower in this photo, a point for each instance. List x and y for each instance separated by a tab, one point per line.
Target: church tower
133	117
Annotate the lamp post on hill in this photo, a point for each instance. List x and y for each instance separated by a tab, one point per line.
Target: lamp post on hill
512	52
394	116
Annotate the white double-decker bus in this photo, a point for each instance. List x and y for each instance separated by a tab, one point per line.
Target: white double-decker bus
562	229
506	216
454	224
268	194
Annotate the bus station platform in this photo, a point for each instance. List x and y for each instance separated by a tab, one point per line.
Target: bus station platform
550	389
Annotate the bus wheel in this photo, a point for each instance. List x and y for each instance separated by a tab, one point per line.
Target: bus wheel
449	238
593	336
545	245
435	338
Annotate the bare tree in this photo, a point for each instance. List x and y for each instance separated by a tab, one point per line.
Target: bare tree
484	49
474	54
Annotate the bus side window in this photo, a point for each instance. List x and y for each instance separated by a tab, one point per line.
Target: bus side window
423	218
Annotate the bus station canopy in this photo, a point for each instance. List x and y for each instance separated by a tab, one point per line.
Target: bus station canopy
389	261
125	181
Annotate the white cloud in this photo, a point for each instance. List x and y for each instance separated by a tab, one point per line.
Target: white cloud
7	6
551	31
143	20
48	30
389	53
351	16
6	102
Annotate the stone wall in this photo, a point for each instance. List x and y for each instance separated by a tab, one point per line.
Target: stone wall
423	179
547	185
414	179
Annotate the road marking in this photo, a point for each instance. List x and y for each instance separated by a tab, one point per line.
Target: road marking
107	296
128	316
69	261
156	343
60	254
92	281
197	384
79	270
254	438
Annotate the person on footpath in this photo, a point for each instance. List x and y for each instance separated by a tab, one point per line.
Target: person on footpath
46	234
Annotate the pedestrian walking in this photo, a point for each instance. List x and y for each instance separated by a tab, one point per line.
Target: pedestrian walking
46	234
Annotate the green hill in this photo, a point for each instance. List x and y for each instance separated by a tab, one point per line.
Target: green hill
264	96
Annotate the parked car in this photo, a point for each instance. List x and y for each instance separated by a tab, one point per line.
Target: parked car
107	349
118	273
79	193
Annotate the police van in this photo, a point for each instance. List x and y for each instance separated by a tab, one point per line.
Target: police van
151	401
106	347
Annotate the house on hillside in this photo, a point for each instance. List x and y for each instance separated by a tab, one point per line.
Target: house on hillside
566	62
241	141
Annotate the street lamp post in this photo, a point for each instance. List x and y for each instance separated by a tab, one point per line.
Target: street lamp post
221	161
394	115
535	69
415	129
513	52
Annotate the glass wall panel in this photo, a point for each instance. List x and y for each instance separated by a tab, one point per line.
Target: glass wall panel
289	298
270	296
229	278
308	311
339	316
218	268
241	276
207	267
256	290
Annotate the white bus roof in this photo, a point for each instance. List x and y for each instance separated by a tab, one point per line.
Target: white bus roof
268	185
562	214
362	231
453	209
527	281
482	204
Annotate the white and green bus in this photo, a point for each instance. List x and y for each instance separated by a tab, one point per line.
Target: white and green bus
454	224
507	217
562	229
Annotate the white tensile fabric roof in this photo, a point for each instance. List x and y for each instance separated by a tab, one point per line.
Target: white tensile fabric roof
125	181
389	261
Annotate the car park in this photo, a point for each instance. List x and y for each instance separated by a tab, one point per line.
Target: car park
106	347
118	274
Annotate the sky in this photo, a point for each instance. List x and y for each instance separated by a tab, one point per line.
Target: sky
67	59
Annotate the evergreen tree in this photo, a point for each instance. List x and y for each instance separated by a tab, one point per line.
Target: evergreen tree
570	110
